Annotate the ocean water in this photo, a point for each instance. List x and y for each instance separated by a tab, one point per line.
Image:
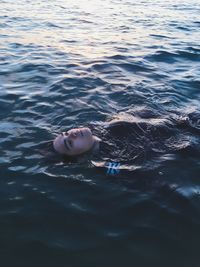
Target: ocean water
70	63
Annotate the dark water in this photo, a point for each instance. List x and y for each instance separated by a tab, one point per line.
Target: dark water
70	63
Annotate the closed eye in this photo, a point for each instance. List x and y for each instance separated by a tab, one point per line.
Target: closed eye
70	143
66	144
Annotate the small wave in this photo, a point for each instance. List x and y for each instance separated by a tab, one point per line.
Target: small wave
118	57
135	67
171	57
160	36
193	54
163	56
52	25
69	41
27	67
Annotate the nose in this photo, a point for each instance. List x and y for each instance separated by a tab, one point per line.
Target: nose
73	135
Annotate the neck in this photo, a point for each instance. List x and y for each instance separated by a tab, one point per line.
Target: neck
95	146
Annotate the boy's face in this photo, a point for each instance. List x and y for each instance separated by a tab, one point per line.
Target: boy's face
74	142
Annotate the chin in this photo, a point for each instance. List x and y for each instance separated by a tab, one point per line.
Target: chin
87	131
56	145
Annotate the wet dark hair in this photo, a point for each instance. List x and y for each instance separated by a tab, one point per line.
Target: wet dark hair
174	133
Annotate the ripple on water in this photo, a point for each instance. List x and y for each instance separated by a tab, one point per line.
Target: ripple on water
57	72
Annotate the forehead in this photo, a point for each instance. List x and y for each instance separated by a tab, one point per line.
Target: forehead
73	129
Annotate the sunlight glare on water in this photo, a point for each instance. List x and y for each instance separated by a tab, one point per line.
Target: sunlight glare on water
66	63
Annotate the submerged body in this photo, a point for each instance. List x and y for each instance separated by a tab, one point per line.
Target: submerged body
128	143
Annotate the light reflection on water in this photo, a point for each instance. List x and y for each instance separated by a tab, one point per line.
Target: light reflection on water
71	63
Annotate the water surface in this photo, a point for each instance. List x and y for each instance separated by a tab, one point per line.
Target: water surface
70	63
